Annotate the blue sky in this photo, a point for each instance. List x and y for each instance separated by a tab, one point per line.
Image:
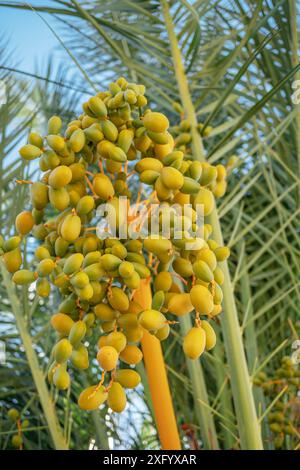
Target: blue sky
29	37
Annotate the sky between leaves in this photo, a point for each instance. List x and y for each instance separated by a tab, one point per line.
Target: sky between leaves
29	39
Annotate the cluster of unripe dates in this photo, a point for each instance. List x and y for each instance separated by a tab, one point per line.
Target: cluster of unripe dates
119	148
22	424
284	418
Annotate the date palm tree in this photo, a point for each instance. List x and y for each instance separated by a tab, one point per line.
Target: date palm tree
231	66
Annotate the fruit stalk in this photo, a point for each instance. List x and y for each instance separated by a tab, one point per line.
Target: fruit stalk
249	429
158	381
